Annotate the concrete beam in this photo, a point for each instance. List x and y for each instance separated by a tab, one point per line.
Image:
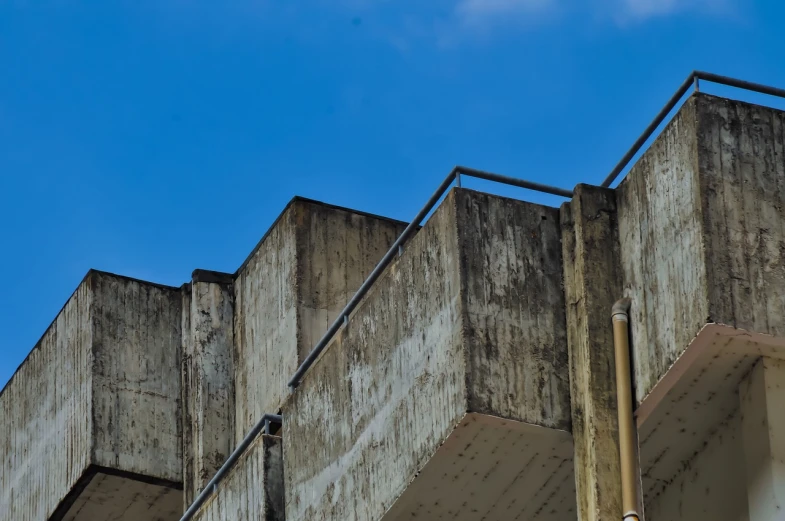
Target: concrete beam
762	395
592	284
208	379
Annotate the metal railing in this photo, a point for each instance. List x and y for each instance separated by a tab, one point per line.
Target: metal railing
455	176
692	80
212	485
264	424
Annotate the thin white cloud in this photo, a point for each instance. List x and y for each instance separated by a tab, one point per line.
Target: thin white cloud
485	8
449	23
644	9
494	11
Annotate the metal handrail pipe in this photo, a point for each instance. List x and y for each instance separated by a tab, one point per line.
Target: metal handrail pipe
210	488
395	248
683	89
360	293
740	84
521	183
649	131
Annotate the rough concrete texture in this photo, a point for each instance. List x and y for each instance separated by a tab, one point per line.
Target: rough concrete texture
108	497
395	383
762	395
688	408
702	230
290	289
696	396
254	490
709	483
46	405
702	454
208	381
513	305
490	468
591	259
136	377
100	388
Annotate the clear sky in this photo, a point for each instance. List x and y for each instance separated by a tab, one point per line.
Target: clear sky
149	138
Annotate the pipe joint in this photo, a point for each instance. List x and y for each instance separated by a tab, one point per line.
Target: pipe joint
621	309
631	516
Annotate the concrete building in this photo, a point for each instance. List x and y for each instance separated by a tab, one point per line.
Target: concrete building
474	380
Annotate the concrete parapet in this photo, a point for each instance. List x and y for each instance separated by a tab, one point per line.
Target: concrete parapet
98	396
702	230
470	319
289	291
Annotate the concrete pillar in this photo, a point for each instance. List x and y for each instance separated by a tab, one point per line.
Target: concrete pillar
762	395
592	284
208	379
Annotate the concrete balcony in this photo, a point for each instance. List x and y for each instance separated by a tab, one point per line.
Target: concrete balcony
474	381
447	395
701	222
245	334
90	421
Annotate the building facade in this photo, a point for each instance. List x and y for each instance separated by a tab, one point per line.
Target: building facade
474	381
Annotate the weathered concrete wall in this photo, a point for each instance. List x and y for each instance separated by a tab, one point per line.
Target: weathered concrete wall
394	383
208	379
711	484
661	235
265	325
399	363
254	491
136	377
289	291
701	230
187	376
513	299
336	250
591	263
742	165
100	389
46	422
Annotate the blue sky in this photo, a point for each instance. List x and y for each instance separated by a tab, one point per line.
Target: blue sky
152	138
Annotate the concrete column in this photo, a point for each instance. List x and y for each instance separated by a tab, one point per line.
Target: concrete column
591	284
208	379
762	395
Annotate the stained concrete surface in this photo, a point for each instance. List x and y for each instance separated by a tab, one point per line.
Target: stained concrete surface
702	230
591	258
208	375
290	290
709	483
100	388
702	235
493	469
108	497
426	388
394	384
46	402
692	454
254	490
136	377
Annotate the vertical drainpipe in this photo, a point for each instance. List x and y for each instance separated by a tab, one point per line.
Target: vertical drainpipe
627	436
